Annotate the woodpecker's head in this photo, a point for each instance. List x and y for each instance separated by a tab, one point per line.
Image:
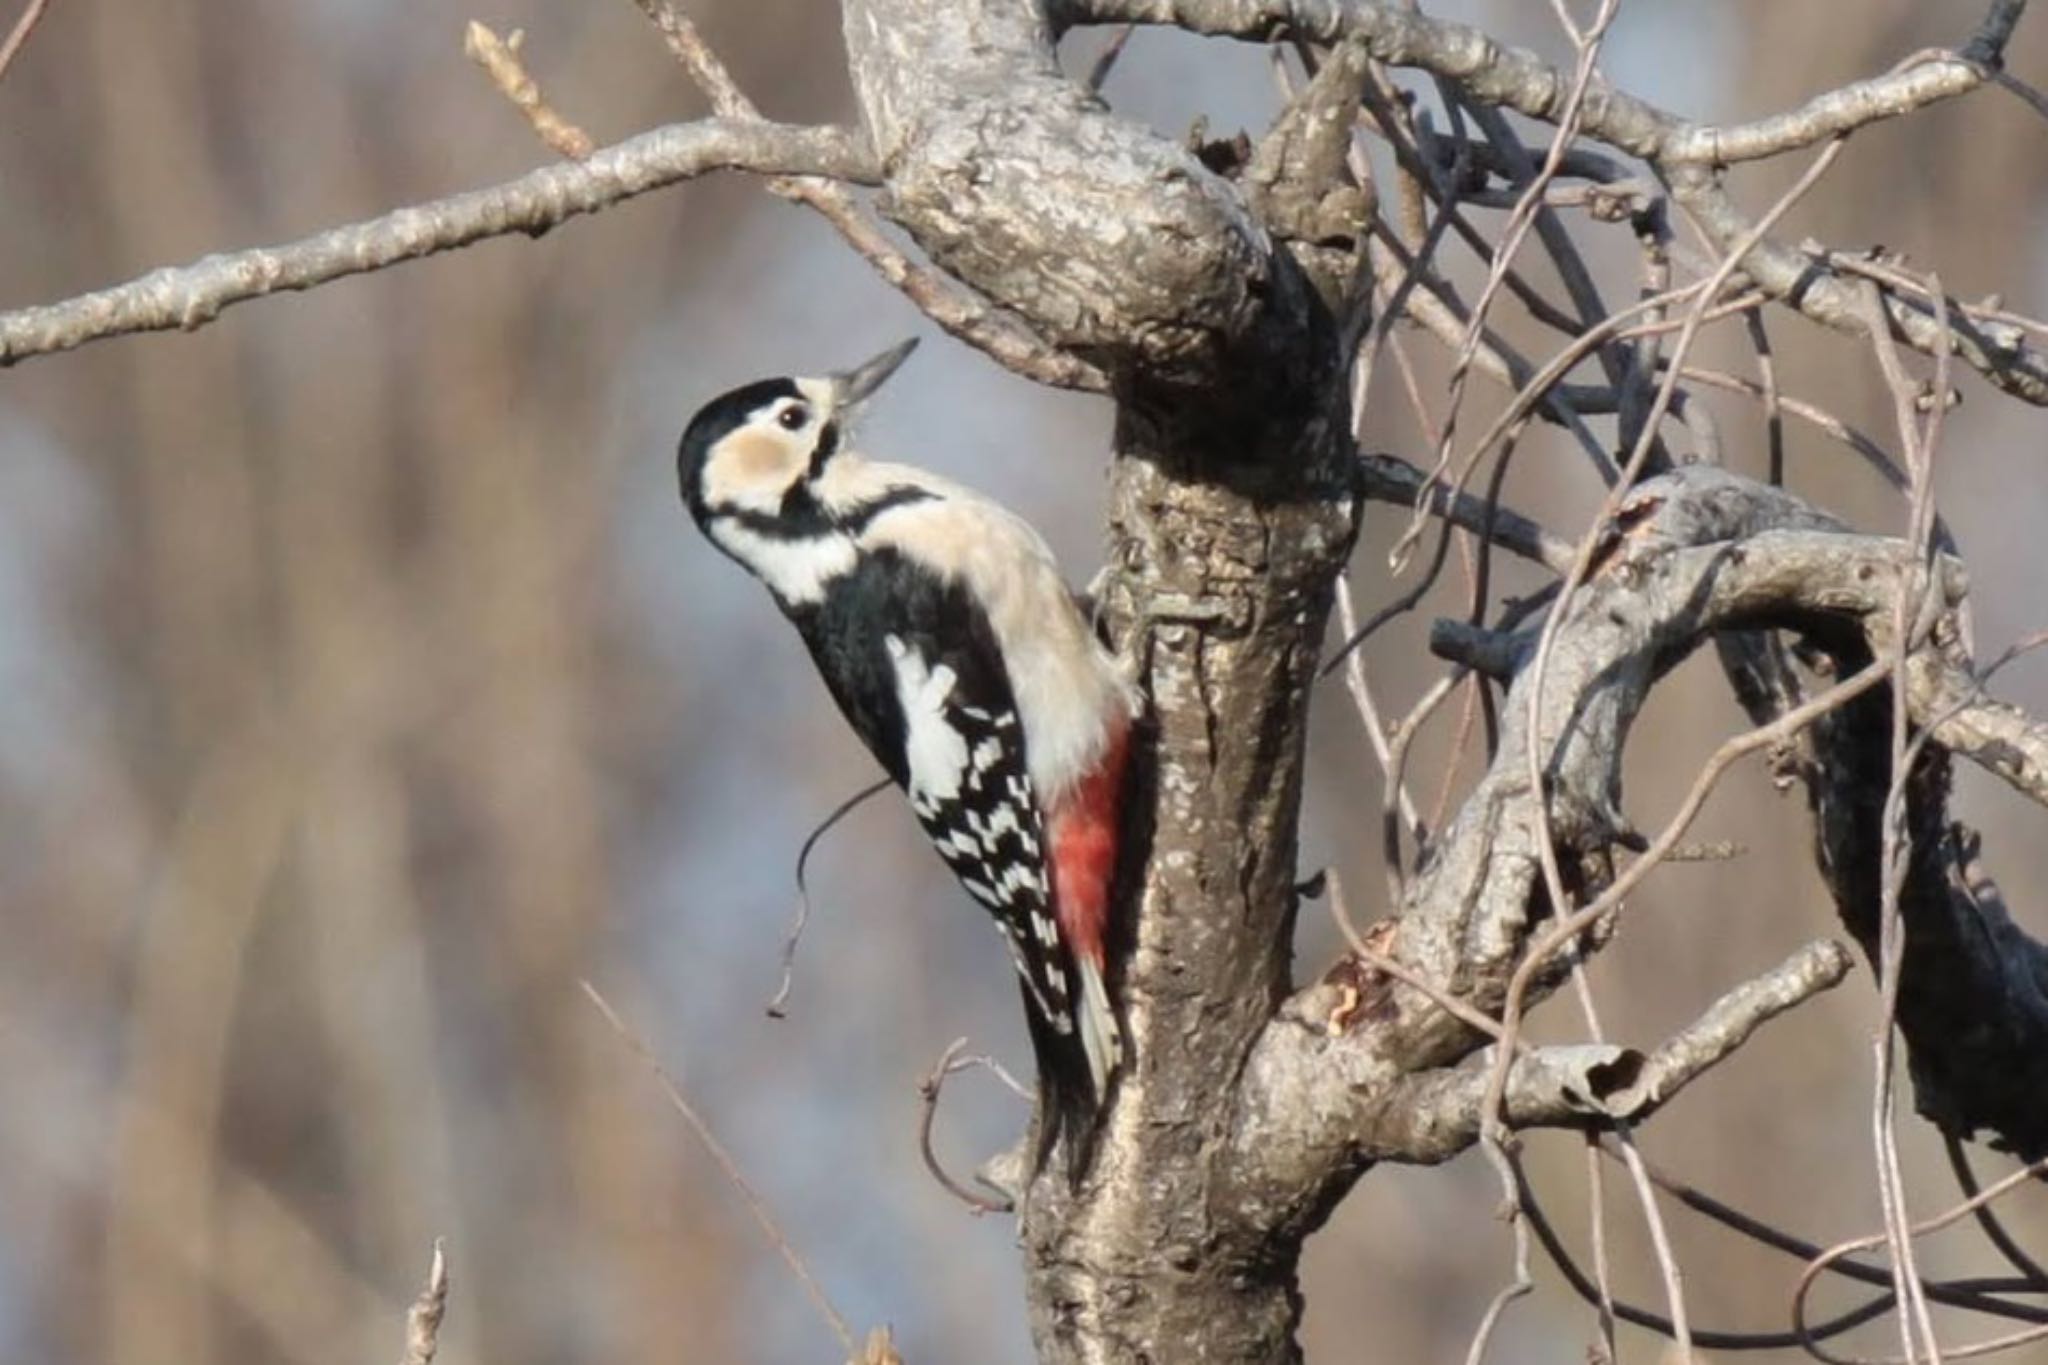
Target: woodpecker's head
747	451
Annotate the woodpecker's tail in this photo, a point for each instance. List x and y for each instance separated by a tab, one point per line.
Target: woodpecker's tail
1070	1095
1101	1039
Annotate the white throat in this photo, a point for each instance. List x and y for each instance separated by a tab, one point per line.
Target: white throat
796	571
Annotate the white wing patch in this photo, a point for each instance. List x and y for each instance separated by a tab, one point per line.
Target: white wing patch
936	750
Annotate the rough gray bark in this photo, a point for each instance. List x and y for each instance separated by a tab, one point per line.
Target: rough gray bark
1246	1113
1232	513
1208	301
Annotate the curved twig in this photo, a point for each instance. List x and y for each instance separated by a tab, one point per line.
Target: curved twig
928	1091
776	1002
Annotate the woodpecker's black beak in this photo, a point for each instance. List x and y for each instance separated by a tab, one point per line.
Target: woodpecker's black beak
853	386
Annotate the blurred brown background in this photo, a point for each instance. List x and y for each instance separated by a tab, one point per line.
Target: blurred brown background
365	688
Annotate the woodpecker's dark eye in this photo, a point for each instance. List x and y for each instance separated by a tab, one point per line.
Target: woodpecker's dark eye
793	417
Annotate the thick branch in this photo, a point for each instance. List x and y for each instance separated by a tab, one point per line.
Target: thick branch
1233	506
1973	991
1691	554
190	296
1112	243
1435	1115
1996	736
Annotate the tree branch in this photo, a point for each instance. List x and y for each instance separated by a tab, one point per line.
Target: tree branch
1498	73
190	296
1389	478
499	58
998	164
423	1319
1234	500
1691	554
1432	1116
957	310
1998	737
1689	156
17	37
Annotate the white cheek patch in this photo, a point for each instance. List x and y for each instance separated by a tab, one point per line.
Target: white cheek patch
936	750
796	571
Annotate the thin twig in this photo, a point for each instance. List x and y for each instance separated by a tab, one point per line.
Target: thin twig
423	1320
1397	768
499	57
1596	1214
1831	425
928	1091
2026	94
1106	61
1503	1162
1968	1294
1390	479
17	37
778	1001
1767	385
1896	843
1462	1010
1596	1294
1361	695
1646	1195
1886	271
1826	1259
756	1205
1987	1218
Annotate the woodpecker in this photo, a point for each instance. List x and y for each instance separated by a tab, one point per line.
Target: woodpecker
944	631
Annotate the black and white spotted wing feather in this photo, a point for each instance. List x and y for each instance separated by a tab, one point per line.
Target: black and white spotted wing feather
993	822
911	664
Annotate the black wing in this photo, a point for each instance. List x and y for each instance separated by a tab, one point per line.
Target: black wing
886	634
